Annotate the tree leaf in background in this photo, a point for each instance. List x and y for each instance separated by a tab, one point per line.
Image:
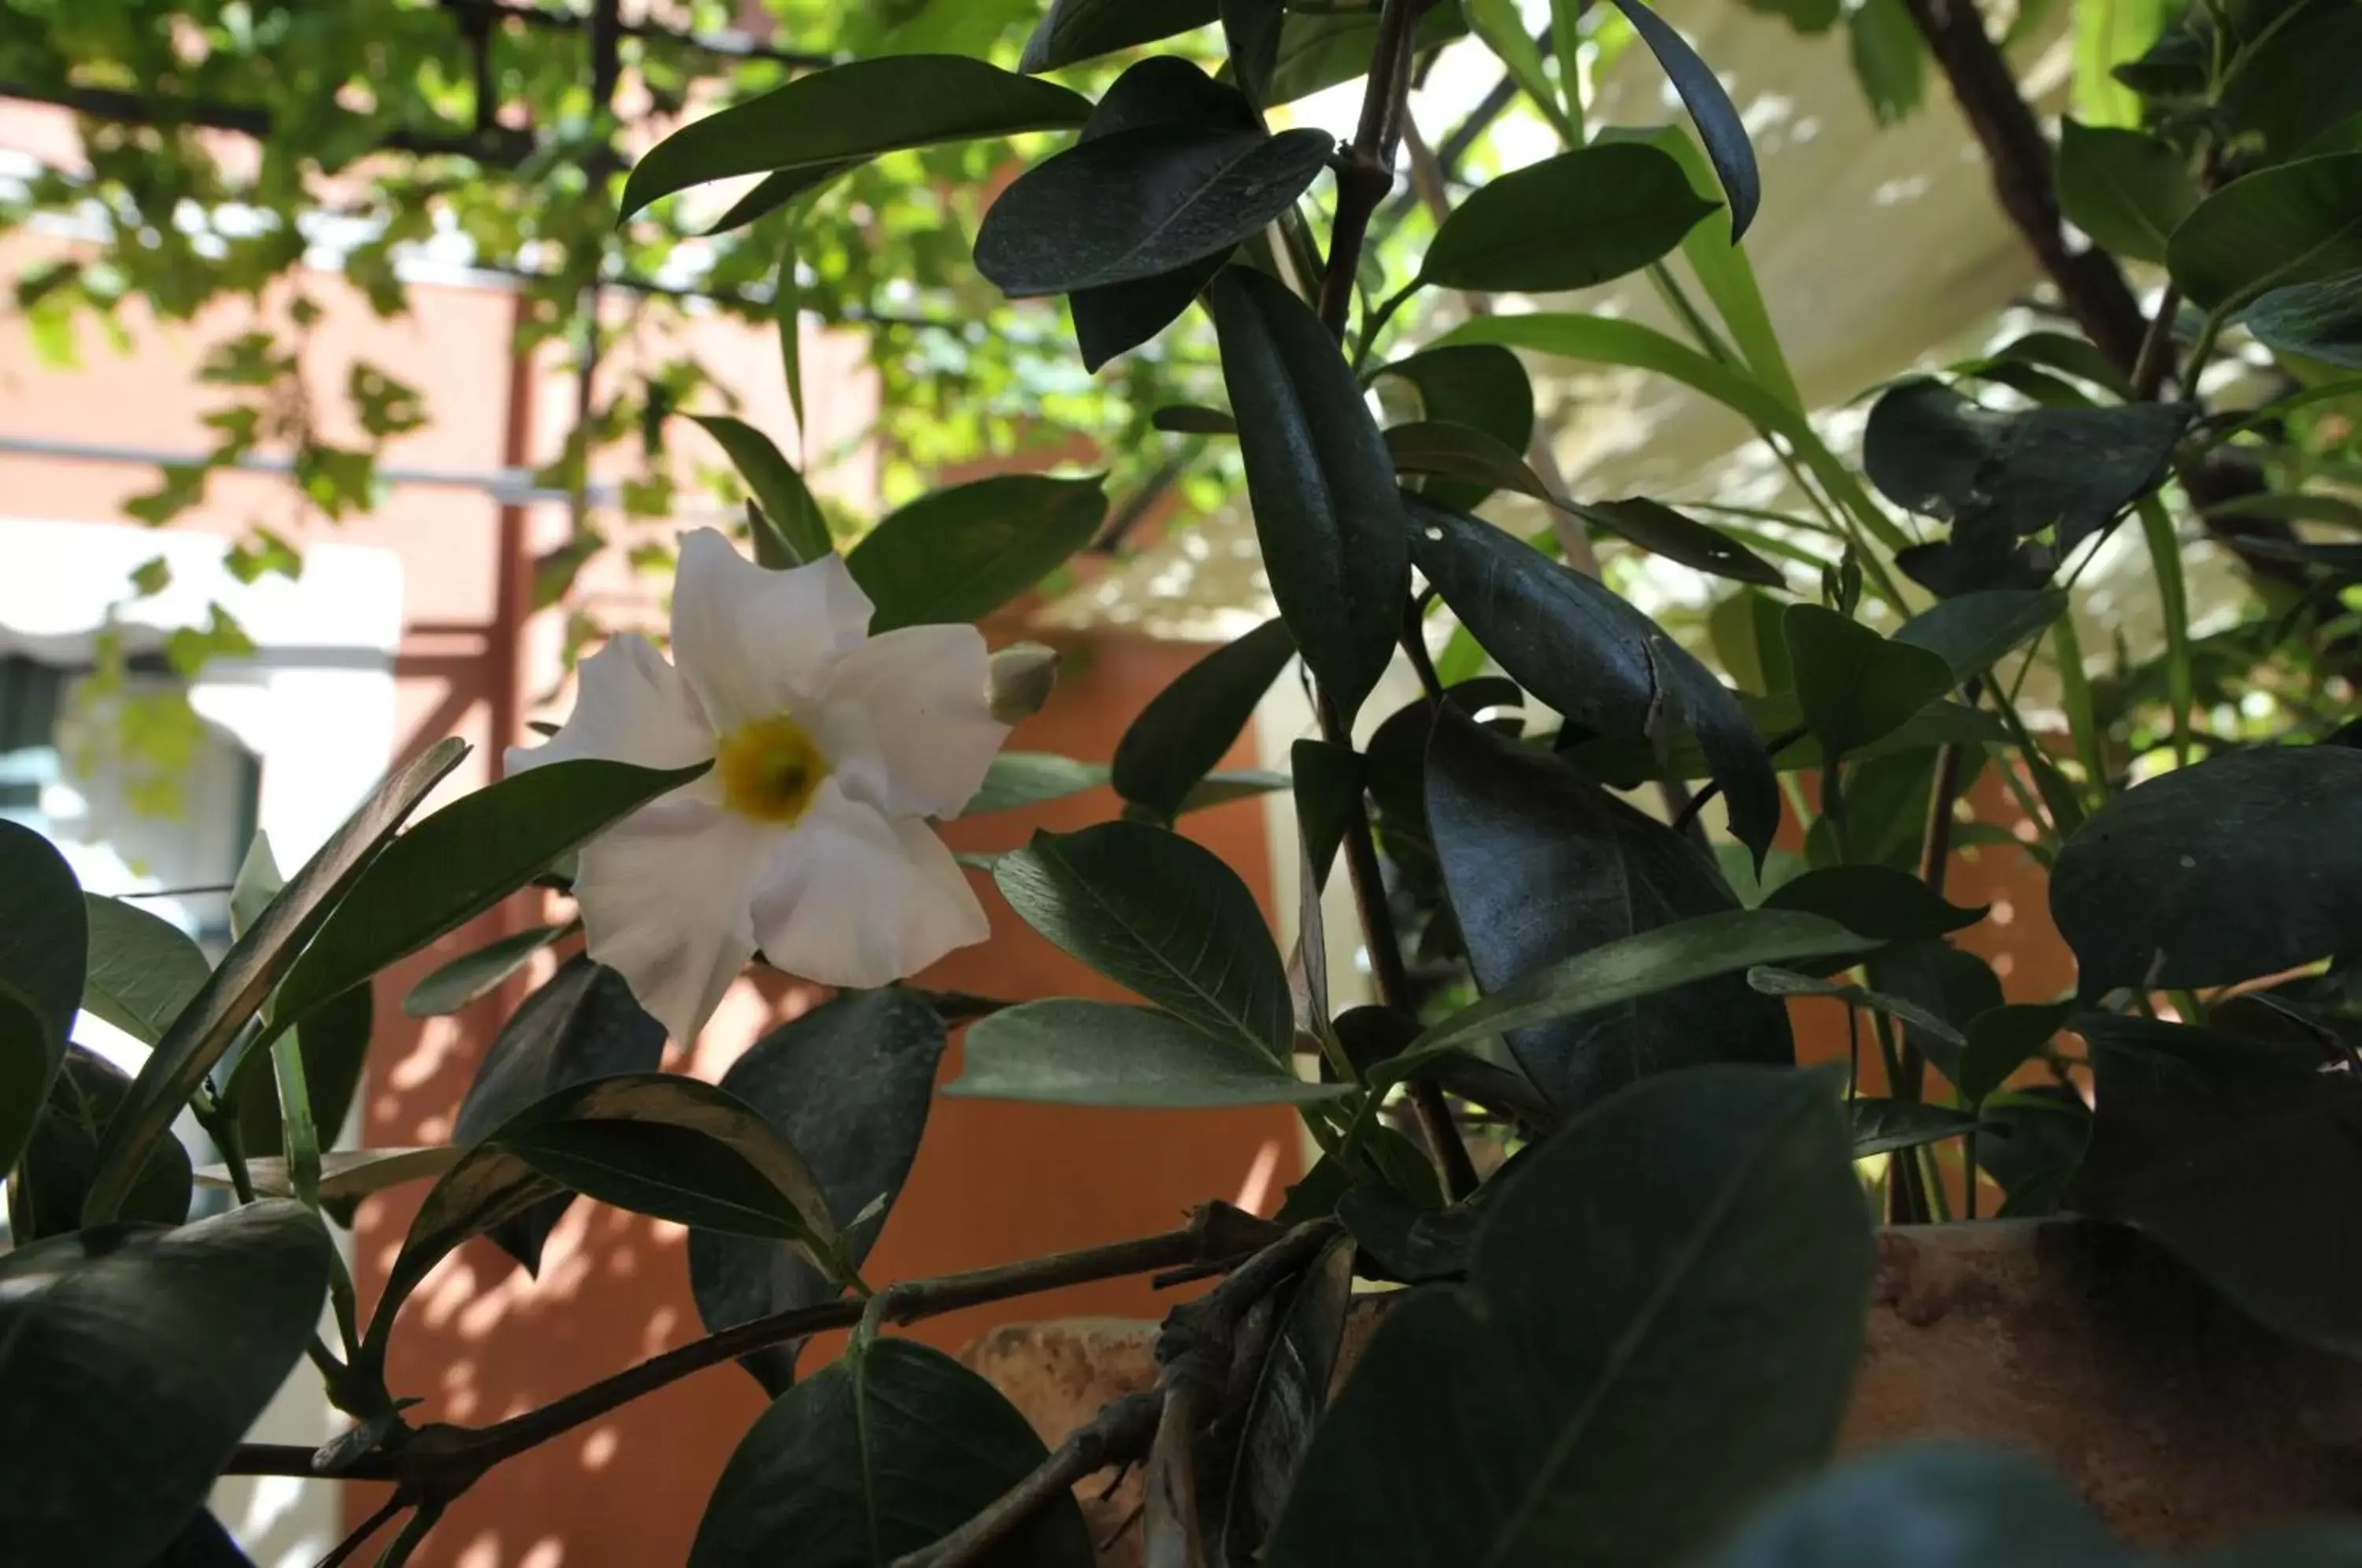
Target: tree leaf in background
2127	190
2294	87
1161	915
1028	778
1888	60
1501	26
2294	224
116	1416
578	1025
1081	29
1572	643
1319	49
44	945
1890	1126
849	1085
1070	1052
857	110
1326	509
1876	901
1289	1397
1542	866
1182	734
778	489
2240	865
473	976
1972	631
263	952
141	971
47	1189
1661	531
2220	1148
1481	385
1855	686
2319	320
1711	110
1713	1312
1568	222
960	554
1121	316
875	1455
461	861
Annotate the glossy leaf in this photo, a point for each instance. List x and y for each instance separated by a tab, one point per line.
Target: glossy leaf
1877	901
2127	190
2243	865
1542	866
1018	778
141	971
461	861
1711	110
1568	222
2319	320
47	1189
877	1455
2297	222
858	110
207	1026
787	504
1326	510
1182	734
578	1025
473	976
1856	686
1890	1126
1290	1394
1572	643
1661	531
43	946
1481	385
1070	1052
1081	29
1528	1418
962	553
116	1415
1972	631
1161	915
849	1085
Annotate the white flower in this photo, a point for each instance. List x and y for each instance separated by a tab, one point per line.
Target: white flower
808	838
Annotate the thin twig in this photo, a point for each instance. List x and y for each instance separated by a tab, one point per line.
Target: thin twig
344	1549
2156	350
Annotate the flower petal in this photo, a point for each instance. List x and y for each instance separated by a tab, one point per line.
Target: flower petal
756	642
917	701
667	896
629	706
859	901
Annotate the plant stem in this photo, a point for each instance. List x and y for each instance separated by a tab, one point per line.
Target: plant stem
1365	174
2157	348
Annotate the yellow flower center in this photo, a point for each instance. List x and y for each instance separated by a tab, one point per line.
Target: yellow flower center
769	769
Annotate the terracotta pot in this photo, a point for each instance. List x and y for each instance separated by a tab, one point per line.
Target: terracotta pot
2181	1420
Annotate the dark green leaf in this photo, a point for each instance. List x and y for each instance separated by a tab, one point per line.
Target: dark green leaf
461	861
1888	1126
473	976
1572	643
1186	419
1530	1416
1319	49
849	1085
1251	32
1327	791
580	1025
2127	190
875	1456
1481	385
1479	461
43	946
1876	901
1542	866
1121	316
2031	1144
1133	205
2320	320
2003	1039
779	489
2243	865
1285	1407
1067	1052
2299	83
132	1360
2222	1149
208	1025
1407	1240
1579	218
1772	981
962	553
1081	29
1028	778
1888	60
1161	915
143	970
49	1186
773	191
1182	734
1972	631
1855	686
1955	986
655	1143
1326	510
1711	110
1661	531
2298	222
853	111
